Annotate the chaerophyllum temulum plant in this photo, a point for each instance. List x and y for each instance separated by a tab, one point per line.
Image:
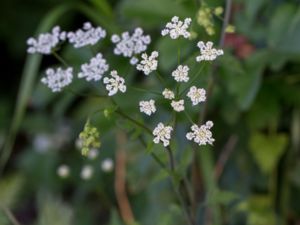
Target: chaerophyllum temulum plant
183	91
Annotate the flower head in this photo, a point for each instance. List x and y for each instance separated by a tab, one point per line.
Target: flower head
201	135
162	134
89	138
181	73
95	69
131	45
88	35
177	28
46	41
93	153
207	52
86	172
63	171
148	107
57	79
107	165
148	63
197	95
168	94
178	106
115	83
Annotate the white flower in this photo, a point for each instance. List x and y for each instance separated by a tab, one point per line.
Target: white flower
147	107
114	84
86	172
93	153
168	94
128	46
42	143
46	41
162	133
177	28
148	64
95	69
178	106
63	171
107	165
201	135
196	95
181	73
207	52
57	79
88	35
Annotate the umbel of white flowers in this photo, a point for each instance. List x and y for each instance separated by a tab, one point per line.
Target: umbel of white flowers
129	46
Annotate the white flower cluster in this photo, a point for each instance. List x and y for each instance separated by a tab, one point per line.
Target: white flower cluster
57	79
129	46
63	171
148	107
178	106
149	63
197	95
201	135
181	73
114	84
177	28
95	69
162	134
88	35
107	165
207	52
87	172
168	94
46	41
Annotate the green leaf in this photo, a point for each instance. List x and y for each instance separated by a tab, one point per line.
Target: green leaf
267	150
30	71
243	81
10	189
284	32
217	196
152	16
259	210
52	210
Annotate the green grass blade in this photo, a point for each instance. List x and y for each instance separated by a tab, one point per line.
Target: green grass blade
29	74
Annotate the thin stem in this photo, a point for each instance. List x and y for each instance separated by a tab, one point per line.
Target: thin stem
9	215
147	91
192	80
188	117
178	53
121	113
176	189
60	59
71	91
161	79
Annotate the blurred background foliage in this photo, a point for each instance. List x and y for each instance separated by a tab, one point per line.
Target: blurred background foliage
251	175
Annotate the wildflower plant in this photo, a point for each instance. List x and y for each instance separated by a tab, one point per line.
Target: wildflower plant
179	88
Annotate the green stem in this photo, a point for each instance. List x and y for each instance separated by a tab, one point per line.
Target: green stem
121	113
60	59
192	80
9	215
160	78
146	91
176	189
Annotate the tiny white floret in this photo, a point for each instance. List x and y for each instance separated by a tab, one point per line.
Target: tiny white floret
207	52
196	95
147	107
115	83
